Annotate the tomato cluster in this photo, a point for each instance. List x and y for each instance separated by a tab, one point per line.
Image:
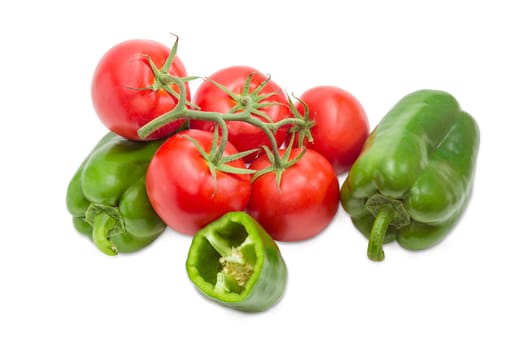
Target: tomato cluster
239	144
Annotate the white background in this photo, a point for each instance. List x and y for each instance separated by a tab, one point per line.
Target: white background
58	291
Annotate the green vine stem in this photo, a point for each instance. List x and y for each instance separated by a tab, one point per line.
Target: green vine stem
182	112
248	106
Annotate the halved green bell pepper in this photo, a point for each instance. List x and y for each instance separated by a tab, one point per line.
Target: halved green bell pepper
414	177
234	262
107	196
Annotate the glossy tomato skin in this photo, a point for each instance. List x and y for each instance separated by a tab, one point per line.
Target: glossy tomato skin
306	202
118	84
341	125
181	189
243	136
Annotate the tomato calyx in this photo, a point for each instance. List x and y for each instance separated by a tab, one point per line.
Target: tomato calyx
303	129
279	163
165	81
301	125
249	102
216	160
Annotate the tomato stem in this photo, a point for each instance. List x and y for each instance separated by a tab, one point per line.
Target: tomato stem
248	108
170	58
182	112
216	156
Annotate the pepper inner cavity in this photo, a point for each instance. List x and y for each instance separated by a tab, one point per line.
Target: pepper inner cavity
237	257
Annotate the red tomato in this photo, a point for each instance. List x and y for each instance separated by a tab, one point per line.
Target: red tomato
305	203
341	125
243	136
118	94
182	190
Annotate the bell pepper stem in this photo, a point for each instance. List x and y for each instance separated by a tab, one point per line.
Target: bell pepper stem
377	234
102	226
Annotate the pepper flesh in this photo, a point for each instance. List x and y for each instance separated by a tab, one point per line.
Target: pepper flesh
234	262
414	177
107	196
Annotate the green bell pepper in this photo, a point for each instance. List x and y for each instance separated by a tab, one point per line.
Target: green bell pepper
234	262
414	177
107	196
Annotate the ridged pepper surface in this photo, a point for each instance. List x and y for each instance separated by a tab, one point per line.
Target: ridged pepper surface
107	197
414	177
